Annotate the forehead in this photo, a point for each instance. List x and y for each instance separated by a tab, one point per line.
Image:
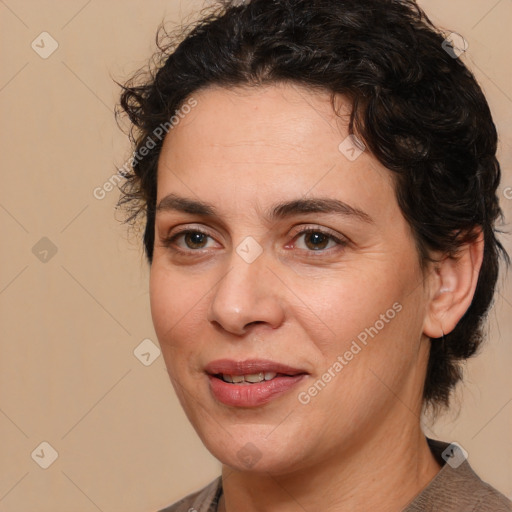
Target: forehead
268	142
274	120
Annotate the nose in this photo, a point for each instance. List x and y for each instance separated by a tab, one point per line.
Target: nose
247	294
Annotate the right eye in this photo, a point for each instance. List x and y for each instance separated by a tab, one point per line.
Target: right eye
193	240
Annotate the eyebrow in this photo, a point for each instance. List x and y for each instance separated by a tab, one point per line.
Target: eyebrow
173	202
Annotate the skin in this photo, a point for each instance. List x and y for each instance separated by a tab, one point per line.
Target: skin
357	445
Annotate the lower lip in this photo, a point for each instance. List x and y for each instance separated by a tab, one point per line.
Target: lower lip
252	395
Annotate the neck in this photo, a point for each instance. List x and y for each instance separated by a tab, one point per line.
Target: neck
384	474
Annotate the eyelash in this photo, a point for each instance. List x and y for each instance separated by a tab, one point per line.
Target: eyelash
169	242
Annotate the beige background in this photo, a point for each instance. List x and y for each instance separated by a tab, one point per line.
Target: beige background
70	325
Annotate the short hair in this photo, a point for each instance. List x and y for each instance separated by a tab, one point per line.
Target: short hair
415	106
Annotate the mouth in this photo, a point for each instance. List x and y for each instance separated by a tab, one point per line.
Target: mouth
252	378
250	371
251	383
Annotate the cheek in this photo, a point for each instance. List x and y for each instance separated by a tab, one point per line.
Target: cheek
169	305
341	308
160	301
178	310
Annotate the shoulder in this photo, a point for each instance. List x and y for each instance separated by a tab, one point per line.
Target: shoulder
204	500
457	488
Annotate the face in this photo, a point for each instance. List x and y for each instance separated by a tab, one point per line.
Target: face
282	255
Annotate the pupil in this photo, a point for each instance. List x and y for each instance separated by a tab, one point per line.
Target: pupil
195	238
317	238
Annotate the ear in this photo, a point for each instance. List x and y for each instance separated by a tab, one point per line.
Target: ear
452	287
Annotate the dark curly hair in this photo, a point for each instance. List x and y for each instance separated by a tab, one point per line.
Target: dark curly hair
416	107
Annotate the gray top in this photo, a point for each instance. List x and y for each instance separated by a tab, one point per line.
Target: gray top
456	488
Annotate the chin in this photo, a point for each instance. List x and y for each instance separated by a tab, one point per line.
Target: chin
253	451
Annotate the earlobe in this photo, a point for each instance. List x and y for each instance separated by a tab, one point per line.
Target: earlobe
452	285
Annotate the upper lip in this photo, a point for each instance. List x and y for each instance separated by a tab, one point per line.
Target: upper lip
249	367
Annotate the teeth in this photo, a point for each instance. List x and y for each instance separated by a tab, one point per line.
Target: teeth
255	377
252	378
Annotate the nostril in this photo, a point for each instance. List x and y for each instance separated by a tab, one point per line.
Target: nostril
254	323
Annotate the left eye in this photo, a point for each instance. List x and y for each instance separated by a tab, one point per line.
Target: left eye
317	240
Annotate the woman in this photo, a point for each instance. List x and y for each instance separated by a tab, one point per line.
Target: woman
318	182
